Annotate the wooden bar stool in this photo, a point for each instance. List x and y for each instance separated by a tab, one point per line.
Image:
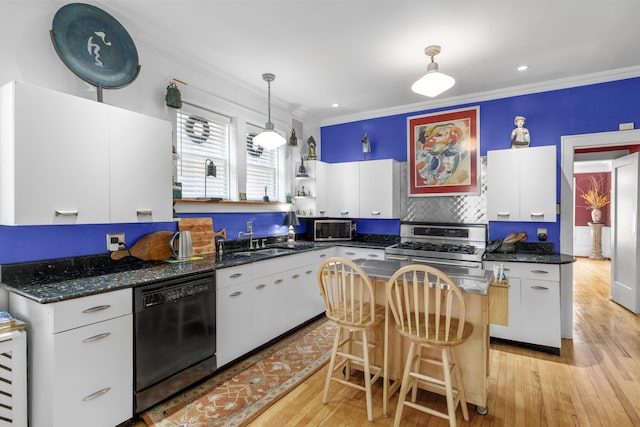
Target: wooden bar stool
350	300
429	310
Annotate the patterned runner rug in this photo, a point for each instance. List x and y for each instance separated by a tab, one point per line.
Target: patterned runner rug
239	394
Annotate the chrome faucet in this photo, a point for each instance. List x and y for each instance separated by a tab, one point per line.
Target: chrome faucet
248	233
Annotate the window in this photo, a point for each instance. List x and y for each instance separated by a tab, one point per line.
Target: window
263	169
202	135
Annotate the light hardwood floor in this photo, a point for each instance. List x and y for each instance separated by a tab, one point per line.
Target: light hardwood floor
594	382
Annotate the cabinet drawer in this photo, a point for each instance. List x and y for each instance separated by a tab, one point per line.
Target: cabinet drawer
528	270
233	275
92	351
105	401
92	309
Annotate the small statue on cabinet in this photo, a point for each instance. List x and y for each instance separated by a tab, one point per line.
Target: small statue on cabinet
520	137
311	143
265	198
302	171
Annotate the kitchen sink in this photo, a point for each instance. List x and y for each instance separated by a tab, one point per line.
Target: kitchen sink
269	251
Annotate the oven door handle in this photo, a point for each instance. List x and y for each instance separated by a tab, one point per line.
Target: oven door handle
445	262
396	257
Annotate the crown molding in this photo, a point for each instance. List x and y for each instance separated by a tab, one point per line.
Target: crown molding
569	82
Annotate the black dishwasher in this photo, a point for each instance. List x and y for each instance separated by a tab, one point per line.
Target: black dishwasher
174	336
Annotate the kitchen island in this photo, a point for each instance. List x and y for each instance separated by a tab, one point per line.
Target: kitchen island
473	355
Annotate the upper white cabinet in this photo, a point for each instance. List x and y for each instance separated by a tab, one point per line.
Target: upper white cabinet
368	189
70	160
521	184
379	189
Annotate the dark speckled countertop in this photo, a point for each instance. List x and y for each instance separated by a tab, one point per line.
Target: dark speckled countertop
53	285
555	258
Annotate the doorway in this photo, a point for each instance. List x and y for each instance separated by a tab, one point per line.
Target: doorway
568	146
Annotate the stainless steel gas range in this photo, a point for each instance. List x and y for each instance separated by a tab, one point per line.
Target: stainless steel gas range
438	243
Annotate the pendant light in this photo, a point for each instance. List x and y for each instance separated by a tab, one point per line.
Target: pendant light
269	138
435	81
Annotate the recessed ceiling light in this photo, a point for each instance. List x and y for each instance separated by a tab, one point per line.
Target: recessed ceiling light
523	67
335	105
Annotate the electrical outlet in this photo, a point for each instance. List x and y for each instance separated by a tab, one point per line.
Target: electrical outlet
542	234
114	240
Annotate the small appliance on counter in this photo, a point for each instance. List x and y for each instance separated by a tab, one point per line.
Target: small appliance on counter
329	230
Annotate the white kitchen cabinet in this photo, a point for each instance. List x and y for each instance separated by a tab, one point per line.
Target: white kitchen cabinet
80	359
534	304
70	160
342	188
379	189
521	184
352	252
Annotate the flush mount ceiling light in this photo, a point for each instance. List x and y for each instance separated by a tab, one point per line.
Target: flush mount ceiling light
435	81
269	138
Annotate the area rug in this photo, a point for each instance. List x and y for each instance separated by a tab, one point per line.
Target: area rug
239	394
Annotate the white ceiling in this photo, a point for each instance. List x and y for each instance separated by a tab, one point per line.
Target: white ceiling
365	54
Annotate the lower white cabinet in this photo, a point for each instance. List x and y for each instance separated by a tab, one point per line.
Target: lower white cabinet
534	304
259	301
80	359
351	252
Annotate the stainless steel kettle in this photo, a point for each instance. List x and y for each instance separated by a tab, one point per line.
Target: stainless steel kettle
185	244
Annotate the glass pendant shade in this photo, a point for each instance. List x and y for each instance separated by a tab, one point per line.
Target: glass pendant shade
269	138
435	81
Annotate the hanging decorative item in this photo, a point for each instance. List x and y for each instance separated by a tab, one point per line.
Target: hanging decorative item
293	139
94	46
311	143
173	97
197	129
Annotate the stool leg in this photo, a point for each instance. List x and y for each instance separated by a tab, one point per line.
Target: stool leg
446	368
462	395
404	386
332	364
367	375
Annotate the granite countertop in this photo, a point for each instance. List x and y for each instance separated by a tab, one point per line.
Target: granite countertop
48	288
555	258
472	280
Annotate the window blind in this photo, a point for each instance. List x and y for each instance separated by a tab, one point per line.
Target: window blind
262	168
202	135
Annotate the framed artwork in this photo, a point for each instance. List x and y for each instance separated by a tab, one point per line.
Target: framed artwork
443	152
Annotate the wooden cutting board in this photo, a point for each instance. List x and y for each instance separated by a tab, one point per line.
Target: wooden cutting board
202	234
151	247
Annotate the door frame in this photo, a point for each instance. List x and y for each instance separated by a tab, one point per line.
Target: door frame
568	145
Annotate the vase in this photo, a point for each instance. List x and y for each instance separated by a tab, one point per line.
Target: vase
596	215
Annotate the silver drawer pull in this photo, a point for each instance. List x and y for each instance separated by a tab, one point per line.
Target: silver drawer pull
97	337
277	282
235	275
373	255
308	272
96	394
66	213
295	276
344	212
540	288
537	214
323	255
236	294
539	271
375	213
96	308
140	212
503	213
323	212
349	253
260	286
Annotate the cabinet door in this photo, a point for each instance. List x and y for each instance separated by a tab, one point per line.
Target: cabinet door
140	167
379	189
538	184
503	185
59	172
238	324
343	188
322	189
541	312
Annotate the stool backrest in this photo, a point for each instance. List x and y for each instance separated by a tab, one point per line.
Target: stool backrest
426	304
347	291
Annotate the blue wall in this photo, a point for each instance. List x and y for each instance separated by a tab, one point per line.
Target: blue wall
550	115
